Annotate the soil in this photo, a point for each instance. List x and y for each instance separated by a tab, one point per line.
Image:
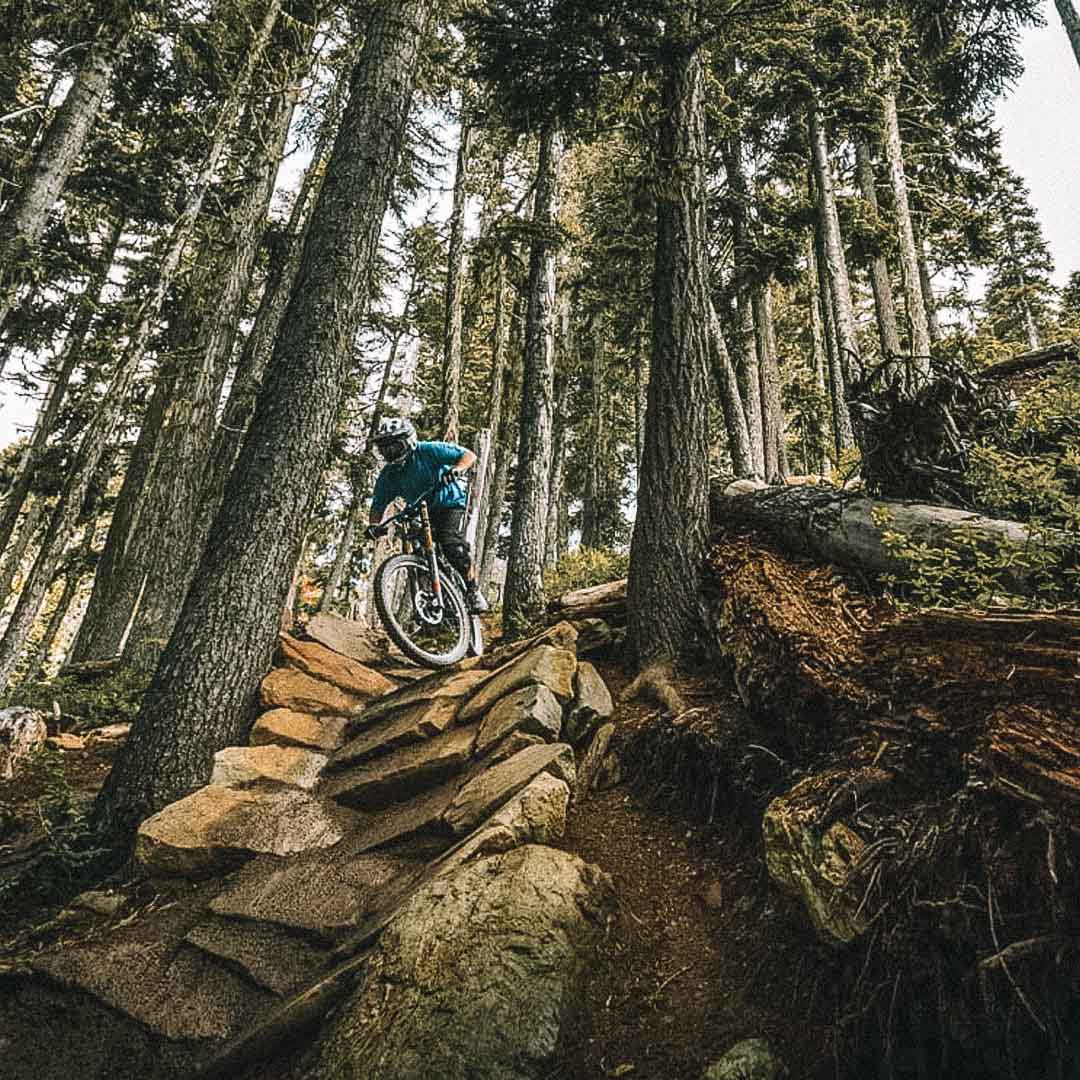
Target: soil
704	952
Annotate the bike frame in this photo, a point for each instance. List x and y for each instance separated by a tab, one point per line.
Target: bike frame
427	540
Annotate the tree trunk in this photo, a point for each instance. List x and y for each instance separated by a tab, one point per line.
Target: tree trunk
1071	21
25	217
772	413
557	475
843	434
72	351
748	360
832	255
818	424
258	346
101	427
524	597
13	557
201	693
590	501
916	311
215	308
880	281
929	300
640	383
495	397
455	281
667	552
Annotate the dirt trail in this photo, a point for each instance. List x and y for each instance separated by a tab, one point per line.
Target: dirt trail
704	953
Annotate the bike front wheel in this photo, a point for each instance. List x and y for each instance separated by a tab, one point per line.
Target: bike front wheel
434	630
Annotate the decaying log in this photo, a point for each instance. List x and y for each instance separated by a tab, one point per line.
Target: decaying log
848	529
1030	361
90	669
1033	757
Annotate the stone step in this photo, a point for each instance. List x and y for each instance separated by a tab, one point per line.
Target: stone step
286	766
284	727
402	773
532	710
545	665
287	688
410	724
341	671
218	828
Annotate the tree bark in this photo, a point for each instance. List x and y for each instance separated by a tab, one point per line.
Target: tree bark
495	397
667	552
748	366
843	434
832	257
215	307
772	413
880	281
557	476
455	281
258	346
25	217
590	500
99	430
201	693
819	422
14	556
916	310
72	351
523	600
933	325
1071	21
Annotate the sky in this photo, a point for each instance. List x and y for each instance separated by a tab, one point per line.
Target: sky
1040	125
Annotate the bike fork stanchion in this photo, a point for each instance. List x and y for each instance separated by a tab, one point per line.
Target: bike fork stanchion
432	556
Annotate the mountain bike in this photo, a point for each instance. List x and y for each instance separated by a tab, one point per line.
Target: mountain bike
420	597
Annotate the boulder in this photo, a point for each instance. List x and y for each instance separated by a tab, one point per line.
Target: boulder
99	902
454	683
22	731
592	705
411	724
475	974
289	766
485	793
322	894
546	665
814	863
595	636
287	688
537	813
394	777
217	828
322	663
532	710
346	637
592	763
752	1059
283	727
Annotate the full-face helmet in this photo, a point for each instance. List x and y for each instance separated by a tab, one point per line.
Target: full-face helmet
395	438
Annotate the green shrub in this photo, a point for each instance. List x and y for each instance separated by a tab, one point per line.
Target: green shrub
113	699
584	567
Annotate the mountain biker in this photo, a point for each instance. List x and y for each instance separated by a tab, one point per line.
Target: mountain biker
414	467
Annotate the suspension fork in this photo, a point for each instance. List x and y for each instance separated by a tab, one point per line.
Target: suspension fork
429	551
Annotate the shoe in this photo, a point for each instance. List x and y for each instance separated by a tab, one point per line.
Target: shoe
475	599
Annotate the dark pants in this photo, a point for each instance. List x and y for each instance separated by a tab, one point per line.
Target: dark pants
448	528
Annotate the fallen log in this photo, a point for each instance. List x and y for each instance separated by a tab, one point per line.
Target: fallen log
609	594
1030	361
849	529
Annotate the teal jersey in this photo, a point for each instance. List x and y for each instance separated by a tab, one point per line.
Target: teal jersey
410	478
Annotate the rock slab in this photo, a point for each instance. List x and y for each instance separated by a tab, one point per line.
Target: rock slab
283	727
402	773
341	671
473	977
218	828
546	665
288	766
344	636
287	688
411	724
485	793
532	710
592	704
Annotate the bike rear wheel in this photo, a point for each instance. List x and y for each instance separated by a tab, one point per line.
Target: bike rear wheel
431	634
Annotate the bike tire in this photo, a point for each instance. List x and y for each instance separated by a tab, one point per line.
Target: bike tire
385	578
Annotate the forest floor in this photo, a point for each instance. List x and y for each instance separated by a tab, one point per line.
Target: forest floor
704	952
